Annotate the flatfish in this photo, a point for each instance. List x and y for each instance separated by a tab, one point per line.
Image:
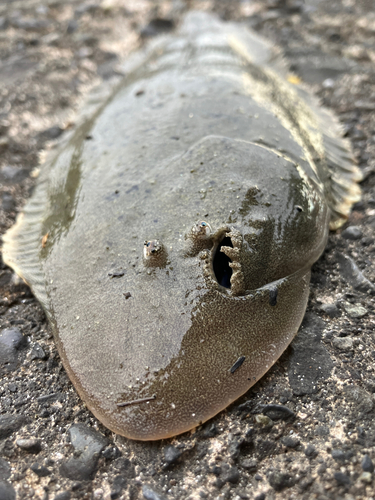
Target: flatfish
170	239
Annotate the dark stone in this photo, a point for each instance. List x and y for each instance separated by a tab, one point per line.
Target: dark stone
7	202
277	412
125	467
280	480
4	469
52	132
150	494
10	424
65	495
361	400
210	430
88	445
310	361
342	478
119	483
3	23
353	275
11	174
11	341
171	454
352	233
331	310
338	455
249	464
156	26
30	24
367	464
311	451
31	445
40	470
290	441
72	26
37	352
231	476
261	496
48	398
7	491
111	452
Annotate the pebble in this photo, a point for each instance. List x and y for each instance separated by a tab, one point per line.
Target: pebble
7	491
10	424
367	464
118	485
354	310
277	412
7	202
37	352
366	477
4	469
263	420
360	398
52	132
280	480
11	341
3	23
352	233
352	274
261	496
4	144
249	464
64	495
290	441
156	26
171	454
111	453
231	476
150	494
311	451
342	478
310	362
40	470
343	343
88	445
331	310
31	445
125	467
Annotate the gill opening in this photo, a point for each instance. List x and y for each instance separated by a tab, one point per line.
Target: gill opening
221	267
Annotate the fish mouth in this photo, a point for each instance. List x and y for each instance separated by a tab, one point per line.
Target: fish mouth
221	268
225	261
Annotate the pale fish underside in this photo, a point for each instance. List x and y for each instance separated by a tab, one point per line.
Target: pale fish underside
170	240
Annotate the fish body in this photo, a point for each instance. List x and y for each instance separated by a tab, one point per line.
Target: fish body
170	241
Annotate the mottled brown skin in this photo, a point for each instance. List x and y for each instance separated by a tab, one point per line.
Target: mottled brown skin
197	145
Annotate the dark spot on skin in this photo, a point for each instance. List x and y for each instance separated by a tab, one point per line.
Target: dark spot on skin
89	137
175	138
222	270
237	364
127	295
116	274
249	201
136	401
139	92
273	296
117	191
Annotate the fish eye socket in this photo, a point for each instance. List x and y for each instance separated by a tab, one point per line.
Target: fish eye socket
299	208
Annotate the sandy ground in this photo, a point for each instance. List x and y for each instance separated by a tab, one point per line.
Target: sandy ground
320	441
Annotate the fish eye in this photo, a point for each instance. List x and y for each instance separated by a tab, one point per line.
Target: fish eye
201	230
299	208
154	253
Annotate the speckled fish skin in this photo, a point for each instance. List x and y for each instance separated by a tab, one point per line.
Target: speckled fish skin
202	131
